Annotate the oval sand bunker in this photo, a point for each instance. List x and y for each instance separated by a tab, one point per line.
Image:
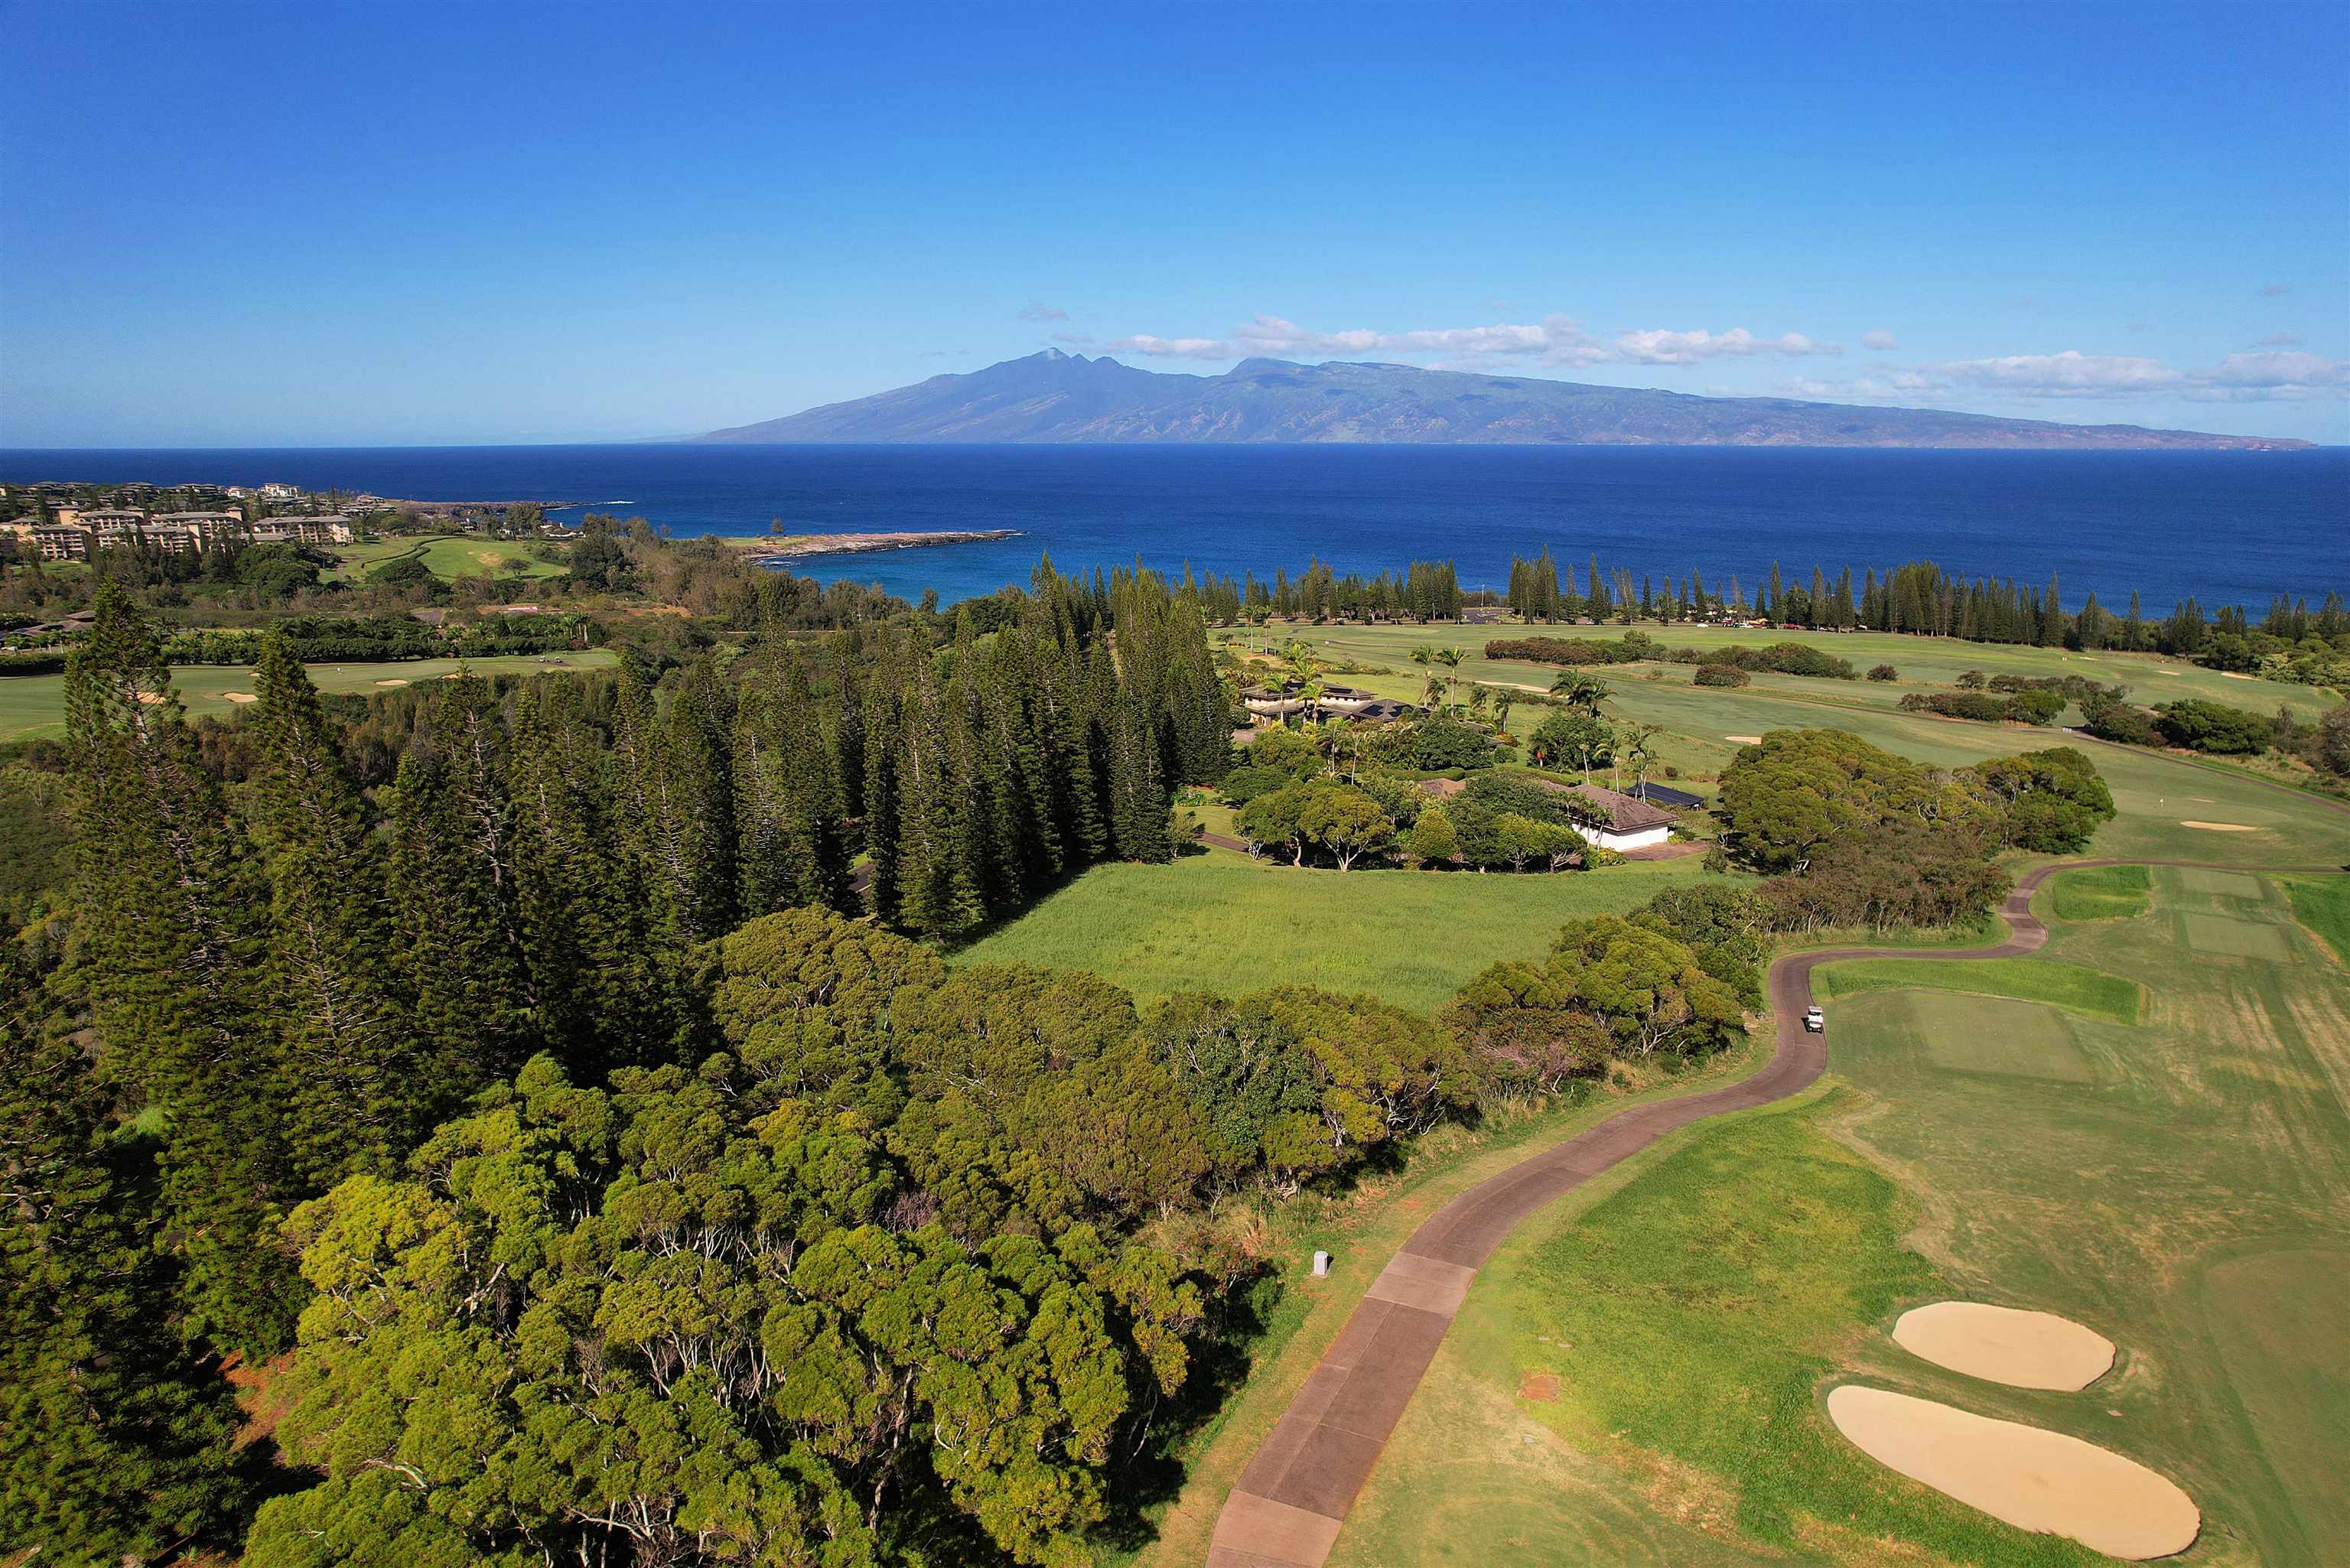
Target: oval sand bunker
2034	1480
2006	1344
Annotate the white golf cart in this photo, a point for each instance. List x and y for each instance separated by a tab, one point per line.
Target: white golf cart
1815	1021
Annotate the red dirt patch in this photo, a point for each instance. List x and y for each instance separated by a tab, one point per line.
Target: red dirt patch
259	1394
1541	1387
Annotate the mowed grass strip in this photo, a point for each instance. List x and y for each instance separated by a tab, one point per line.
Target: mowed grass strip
1219	924
1699	1313
35	705
2323	904
2071	986
2100	893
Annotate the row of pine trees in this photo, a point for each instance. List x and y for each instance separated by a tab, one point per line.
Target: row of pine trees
1423	591
1919	598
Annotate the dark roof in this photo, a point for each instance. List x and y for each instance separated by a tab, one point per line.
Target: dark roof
1625	814
1658	795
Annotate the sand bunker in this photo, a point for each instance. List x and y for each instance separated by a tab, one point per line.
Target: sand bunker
2218	826
240	697
392	683
2005	1344
1745	740
2235	675
153	697
2034	1480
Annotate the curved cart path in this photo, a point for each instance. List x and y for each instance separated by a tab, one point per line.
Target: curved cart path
1288	1506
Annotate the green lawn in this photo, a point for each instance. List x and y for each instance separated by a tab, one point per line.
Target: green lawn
2323	904
33	706
450	556
2099	893
1219	922
2186	1193
2067	985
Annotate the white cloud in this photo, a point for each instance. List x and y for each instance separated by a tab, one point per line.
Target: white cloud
2250	377
2270	290
2069	373
1033	311
2279	340
1693	348
1880	341
2277	370
1556	340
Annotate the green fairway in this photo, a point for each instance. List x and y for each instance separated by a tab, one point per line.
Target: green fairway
1695	1315
2323	904
2098	893
450	556
2249	822
2024	979
1217	922
33	706
1924	663
2181	1186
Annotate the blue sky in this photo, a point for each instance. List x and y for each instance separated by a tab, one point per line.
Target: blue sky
335	224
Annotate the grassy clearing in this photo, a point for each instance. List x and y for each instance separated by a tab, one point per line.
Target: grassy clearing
35	706
2323	904
1361	1228
2189	1199
2065	985
2099	893
1217	922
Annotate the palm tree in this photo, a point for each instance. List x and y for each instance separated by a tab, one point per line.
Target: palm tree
1502	697
1336	739
1580	690
1451	659
1430	690
1477	698
1638	742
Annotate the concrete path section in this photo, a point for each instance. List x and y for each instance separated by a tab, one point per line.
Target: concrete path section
1291	1501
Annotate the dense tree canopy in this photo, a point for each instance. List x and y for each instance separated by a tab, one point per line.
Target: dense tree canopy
646	1324
1798	789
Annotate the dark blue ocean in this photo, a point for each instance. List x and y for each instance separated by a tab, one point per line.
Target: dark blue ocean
2227	527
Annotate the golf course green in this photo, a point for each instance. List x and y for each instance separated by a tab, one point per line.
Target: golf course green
2180	1185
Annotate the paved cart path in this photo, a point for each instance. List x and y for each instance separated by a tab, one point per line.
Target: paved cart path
1291	1501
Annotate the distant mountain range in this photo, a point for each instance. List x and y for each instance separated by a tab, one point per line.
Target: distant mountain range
1058	397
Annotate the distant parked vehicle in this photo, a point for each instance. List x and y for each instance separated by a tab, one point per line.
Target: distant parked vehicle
1815	1021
